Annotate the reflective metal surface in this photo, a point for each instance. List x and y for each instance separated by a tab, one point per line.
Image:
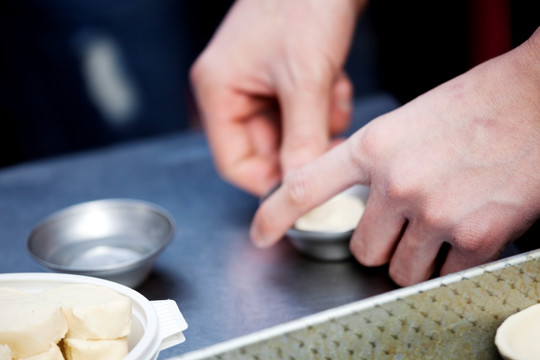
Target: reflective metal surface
452	317
224	286
115	239
327	245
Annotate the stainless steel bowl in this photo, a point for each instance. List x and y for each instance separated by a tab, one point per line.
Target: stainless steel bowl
114	239
322	245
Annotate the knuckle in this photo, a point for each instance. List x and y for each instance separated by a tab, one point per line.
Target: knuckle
468	238
201	69
401	277
302	148
468	245
399	187
297	189
366	256
305	141
433	218
308	75
395	187
364	145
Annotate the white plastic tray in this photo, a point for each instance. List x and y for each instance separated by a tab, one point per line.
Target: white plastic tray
157	325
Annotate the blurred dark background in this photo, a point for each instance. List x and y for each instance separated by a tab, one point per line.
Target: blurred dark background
77	74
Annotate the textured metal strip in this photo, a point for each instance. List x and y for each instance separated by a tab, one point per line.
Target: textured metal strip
451	317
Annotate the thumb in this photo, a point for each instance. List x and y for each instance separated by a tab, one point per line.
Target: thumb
305	125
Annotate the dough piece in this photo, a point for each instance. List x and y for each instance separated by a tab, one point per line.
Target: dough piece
93	312
517	336
7	293
5	352
29	326
53	353
78	349
340	213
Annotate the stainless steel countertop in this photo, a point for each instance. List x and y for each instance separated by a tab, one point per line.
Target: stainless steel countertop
224	286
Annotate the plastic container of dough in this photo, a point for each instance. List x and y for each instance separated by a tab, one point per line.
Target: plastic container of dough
112	239
156	324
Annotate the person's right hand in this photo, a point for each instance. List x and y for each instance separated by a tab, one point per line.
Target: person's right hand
458	165
271	89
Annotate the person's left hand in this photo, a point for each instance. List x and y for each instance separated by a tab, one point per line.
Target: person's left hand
271	87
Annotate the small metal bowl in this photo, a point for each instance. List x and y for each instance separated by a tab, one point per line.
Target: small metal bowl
325	245
113	239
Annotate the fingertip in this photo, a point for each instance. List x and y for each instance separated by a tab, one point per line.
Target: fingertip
405	277
265	229
258	238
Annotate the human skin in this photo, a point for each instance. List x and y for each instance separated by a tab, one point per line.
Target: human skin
271	89
460	165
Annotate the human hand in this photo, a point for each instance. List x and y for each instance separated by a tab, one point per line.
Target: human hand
458	165
271	89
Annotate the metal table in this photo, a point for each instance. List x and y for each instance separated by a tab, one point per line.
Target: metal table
224	286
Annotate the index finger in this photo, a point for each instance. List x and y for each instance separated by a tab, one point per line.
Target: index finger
307	187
